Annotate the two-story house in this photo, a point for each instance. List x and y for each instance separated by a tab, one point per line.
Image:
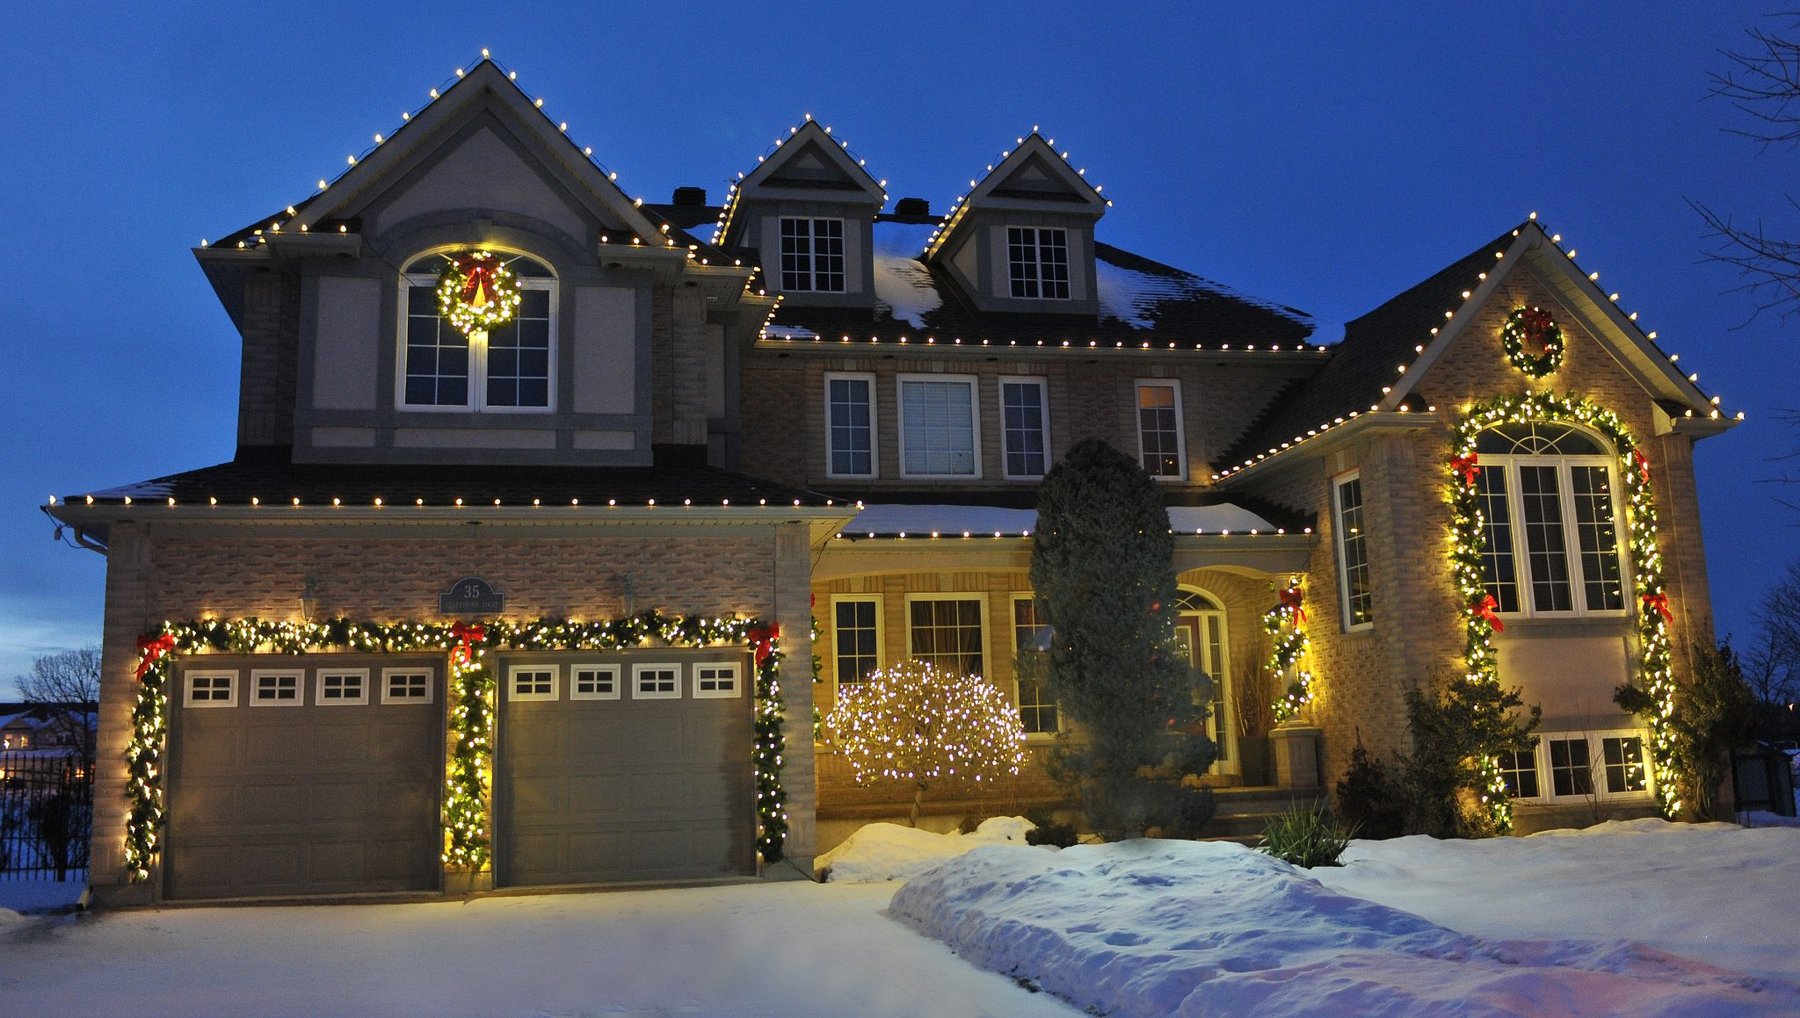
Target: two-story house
539	492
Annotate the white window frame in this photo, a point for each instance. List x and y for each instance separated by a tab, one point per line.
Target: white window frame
578	670
1012	625
638	672
299	677
1596	746
812	253
880	635
987	630
321	674
1036	261
867	378
231	687
513	671
1043	387
478	352
731	692
974	386
1342	540
1509	464
389	674
1137	423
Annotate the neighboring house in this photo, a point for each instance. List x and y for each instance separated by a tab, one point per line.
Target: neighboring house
799	408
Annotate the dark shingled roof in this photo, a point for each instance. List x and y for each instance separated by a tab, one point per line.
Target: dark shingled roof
1373	346
1026	498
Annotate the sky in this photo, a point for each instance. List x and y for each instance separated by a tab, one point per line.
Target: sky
1323	155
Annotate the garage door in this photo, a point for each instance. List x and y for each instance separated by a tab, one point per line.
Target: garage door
308	775
619	768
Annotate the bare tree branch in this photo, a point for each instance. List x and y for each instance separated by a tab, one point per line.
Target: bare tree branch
71	680
1764	83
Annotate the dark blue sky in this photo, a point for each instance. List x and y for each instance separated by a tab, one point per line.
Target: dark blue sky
1326	156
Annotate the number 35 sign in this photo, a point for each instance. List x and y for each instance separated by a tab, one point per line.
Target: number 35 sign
471	595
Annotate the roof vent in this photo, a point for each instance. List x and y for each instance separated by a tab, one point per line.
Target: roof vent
912	207
689	196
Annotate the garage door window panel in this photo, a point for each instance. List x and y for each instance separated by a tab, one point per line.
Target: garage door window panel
593	682
275	689
716	681
211	689
406	685
343	687
531	682
656	682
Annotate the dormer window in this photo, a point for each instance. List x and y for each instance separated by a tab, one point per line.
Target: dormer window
1037	261
812	255
508	369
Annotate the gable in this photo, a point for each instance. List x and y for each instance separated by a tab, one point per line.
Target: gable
479	171
1034	180
811	167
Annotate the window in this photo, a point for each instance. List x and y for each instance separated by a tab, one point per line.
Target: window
343	688
211	689
274	689
1161	447
531	682
1624	758
812	255
1550	521
715	680
656	682
1353	554
938	431
1025	428
1037	262
405	685
1589	765
1519	771
946	632
593	682
507	369
850	425
1031	665
1569	770
855	637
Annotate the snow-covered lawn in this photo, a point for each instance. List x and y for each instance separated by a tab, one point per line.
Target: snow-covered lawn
1639	918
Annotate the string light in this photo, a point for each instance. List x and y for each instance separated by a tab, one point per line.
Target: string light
1286	625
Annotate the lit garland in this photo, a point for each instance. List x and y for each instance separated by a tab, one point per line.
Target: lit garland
1286	624
477	292
472	687
1469	539
1533	342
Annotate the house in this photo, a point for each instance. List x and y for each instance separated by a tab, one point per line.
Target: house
540	493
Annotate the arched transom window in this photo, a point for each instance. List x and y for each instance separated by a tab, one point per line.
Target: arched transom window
508	369
1550	516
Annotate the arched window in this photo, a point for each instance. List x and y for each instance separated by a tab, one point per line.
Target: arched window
509	369
1200	629
1551	521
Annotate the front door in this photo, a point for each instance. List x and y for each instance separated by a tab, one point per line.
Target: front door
1202	638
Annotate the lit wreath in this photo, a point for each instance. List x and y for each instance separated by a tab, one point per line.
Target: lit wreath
1533	341
477	292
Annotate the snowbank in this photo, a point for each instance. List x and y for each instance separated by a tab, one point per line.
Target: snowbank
891	852
1192	928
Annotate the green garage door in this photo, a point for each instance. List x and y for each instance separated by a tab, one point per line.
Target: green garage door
304	775
623	767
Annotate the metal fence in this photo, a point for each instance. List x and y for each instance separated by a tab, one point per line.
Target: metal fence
46	814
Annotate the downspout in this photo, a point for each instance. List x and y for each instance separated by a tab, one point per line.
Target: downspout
81	537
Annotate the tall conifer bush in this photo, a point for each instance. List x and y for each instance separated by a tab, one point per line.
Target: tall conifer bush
1102	565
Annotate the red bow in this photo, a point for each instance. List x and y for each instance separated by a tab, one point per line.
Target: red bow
1643	464
1465	465
466	636
764	637
1659	603
1537	325
1484	609
478	284
149	650
1290	598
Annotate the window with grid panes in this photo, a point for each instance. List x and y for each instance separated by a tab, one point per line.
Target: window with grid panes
1031	657
1159	429
1025	431
854	638
505	368
1550	520
1037	260
946	632
812	254
850	425
1353	554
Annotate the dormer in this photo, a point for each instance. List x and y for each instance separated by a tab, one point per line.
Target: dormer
1022	239
808	211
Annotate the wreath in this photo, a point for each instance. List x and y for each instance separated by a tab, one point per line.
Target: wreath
1533	341
477	292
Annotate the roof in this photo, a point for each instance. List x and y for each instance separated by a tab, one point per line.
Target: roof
888	519
1363	363
1141	301
1189	510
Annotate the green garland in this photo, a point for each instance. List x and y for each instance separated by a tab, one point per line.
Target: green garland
1469	539
472	687
1533	325
477	292
1284	623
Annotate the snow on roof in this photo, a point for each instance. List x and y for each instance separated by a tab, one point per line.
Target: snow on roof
985	520
1133	295
902	282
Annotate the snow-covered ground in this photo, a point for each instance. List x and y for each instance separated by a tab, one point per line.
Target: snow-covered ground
1635	918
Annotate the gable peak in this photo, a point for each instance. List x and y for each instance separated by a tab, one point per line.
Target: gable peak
1034	161
807	137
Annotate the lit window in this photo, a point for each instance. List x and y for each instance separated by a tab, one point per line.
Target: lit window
1031	667
946	632
850	425
509	368
1037	260
938	436
855	637
1550	521
1353	554
1161	447
812	255
1025	427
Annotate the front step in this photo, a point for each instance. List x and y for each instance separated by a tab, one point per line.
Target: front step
1243	814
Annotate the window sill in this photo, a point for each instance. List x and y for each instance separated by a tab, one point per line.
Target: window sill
1603	625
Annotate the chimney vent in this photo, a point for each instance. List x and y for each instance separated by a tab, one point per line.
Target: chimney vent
690	196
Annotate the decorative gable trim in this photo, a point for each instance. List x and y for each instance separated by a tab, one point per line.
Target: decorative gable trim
1035	159
808	138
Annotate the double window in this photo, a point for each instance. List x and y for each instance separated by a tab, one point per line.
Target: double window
508	369
1551	521
1037	262
1569	765
812	255
1161	446
939	434
1353	553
